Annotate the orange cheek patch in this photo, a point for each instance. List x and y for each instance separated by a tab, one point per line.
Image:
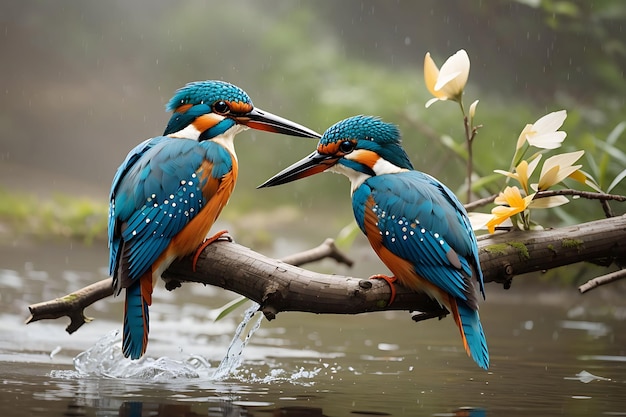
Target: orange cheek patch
328	148
206	121
183	109
239	107
365	157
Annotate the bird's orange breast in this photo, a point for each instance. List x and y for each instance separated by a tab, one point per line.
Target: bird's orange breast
216	192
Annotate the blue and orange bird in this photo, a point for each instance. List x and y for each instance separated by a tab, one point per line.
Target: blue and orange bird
414	223
170	189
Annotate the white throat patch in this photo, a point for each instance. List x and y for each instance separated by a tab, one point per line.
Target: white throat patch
227	139
356	178
189	132
380	167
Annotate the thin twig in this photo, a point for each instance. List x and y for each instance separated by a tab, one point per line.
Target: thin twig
480	203
551	193
327	249
606	208
602	280
584	194
469	136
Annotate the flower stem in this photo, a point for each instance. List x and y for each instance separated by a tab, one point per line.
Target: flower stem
470	163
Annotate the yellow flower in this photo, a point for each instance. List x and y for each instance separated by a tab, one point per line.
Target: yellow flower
523	171
557	168
478	220
544	132
511	203
449	82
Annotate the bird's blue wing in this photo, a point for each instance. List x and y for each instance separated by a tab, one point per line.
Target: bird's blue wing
115	238
467	227
158	195
421	221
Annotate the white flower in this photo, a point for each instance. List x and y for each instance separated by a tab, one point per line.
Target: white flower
448	82
544	132
556	168
472	109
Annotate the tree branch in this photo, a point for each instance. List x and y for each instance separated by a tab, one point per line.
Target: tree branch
74	304
278	286
603	197
603	280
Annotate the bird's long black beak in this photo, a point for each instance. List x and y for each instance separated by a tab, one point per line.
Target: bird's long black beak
262	120
312	164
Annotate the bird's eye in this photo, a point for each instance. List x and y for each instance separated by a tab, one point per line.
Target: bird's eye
346	146
221	107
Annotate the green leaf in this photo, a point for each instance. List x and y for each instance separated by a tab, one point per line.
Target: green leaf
616	181
482	182
229	307
457	148
615	153
616	133
346	235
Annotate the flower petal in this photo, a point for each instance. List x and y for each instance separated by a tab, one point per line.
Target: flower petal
579	176
563	159
548	202
431	101
527	130
558	167
506	173
550	122
549	140
453	75
548	178
479	220
472	109
533	164
431	74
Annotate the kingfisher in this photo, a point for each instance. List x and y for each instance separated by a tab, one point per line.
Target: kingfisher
414	223
170	189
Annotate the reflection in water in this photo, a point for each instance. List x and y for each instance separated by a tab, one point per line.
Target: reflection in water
226	409
229	409
139	409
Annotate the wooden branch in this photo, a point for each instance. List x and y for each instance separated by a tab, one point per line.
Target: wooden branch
74	304
505	255
278	286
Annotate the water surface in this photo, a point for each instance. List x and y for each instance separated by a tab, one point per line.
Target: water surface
552	352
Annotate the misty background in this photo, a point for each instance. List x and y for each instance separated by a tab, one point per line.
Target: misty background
84	81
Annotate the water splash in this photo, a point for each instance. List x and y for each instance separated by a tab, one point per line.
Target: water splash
233	357
105	359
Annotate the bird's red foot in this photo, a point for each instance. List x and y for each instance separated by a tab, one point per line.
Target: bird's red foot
206	243
390	281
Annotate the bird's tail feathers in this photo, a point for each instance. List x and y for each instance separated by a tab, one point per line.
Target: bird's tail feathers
474	341
136	319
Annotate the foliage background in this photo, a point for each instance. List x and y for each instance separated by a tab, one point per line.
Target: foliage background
84	81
